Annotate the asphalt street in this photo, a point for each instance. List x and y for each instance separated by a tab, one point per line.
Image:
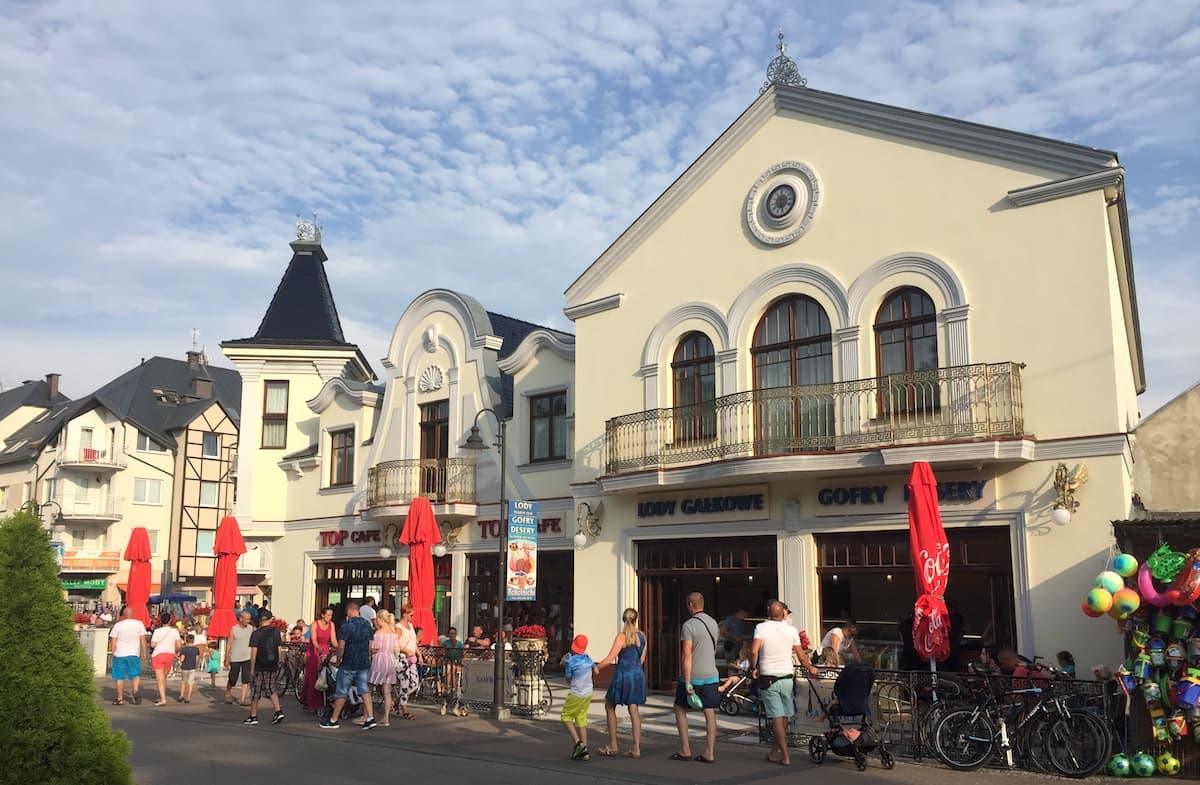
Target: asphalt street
204	743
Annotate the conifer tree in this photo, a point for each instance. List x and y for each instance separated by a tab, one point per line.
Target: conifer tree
52	730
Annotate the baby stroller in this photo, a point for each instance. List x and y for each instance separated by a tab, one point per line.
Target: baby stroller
326	684
742	693
851	699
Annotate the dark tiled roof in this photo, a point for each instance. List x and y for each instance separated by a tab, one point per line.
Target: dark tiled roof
512	332
28	394
38	433
302	312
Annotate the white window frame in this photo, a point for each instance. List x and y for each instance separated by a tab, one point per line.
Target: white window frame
211	536
204	444
145	500
216	486
146	444
153	535
3	497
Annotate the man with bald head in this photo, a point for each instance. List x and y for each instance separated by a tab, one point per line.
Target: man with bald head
775	641
698	678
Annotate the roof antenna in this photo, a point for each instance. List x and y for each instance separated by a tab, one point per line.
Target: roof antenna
782	70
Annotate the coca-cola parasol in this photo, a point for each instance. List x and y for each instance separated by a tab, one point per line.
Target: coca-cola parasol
420	534
228	545
931	563
137	590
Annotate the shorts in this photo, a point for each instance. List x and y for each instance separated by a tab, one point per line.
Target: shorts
262	685
162	662
575	710
189	676
710	698
239	670
777	699
126	667
347	678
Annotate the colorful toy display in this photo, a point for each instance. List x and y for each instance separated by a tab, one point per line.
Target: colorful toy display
1167	764
1110	582
1125	565
1142	764
1118	765
1099	600
1126	601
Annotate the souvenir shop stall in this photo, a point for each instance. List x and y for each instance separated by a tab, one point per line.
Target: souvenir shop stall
1151	588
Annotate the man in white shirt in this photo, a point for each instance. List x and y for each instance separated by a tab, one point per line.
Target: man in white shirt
775	642
127	643
838	646
237	658
367	611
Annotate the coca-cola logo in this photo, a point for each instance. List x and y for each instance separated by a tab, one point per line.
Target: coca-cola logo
935	567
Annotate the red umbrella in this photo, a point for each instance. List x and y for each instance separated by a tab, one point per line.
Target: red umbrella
931	563
137	591
420	534
228	546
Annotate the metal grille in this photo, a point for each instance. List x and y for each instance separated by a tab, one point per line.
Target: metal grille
441	480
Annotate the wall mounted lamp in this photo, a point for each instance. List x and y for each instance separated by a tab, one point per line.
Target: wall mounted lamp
450	531
391	537
587	520
1065	485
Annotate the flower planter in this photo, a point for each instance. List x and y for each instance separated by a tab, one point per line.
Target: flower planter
529	644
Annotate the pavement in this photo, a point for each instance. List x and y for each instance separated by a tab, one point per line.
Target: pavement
204	742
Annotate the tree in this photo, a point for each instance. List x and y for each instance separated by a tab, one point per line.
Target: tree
52	730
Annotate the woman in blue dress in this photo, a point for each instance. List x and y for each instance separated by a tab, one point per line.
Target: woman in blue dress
628	685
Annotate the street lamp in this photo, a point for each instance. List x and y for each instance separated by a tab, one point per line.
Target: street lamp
475	443
57	524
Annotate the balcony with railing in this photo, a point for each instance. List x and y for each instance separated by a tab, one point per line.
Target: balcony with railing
93	507
441	480
256	559
960	403
107	458
79	561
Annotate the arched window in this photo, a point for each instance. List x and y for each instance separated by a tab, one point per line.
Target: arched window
693	370
905	343
793	351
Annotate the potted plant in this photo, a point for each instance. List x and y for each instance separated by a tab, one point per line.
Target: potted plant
529	637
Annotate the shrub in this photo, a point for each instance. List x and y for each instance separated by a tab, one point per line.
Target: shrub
53	730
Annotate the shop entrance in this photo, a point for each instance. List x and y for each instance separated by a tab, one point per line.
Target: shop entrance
395	593
340	582
553	609
868	576
731	573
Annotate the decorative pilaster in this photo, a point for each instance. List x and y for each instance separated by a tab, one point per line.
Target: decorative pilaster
649	374
957	347
727	361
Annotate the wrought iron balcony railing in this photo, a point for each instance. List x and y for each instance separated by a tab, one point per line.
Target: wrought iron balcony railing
942	404
110	456
441	480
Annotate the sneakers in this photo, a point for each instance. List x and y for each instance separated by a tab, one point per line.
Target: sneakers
369	724
278	718
580	752
329	724
250	721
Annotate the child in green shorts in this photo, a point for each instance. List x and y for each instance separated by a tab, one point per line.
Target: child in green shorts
579	670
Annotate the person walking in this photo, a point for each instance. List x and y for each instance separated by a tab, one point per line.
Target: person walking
189	658
407	678
237	658
264	662
384	651
354	661
322	636
166	643
213	664
127	644
628	685
579	668
775	643
698	679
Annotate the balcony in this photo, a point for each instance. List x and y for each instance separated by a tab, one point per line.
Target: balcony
74	456
444	481
106	561
256	560
93	508
961	403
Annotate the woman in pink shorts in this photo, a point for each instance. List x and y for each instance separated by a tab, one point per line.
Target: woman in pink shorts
165	642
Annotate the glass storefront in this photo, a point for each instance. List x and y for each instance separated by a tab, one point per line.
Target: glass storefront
340	582
552	609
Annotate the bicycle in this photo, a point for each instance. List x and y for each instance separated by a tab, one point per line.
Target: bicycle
290	674
1049	734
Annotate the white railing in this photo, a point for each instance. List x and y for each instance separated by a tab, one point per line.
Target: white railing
94	506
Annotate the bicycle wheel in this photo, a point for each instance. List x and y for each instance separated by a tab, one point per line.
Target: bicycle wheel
964	739
1078	745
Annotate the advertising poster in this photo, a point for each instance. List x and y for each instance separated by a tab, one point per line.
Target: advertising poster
522	551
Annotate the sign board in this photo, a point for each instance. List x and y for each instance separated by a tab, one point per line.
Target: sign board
85	583
706	505
862	496
59	550
336	538
478	678
522	557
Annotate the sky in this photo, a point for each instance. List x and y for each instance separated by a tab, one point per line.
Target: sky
156	154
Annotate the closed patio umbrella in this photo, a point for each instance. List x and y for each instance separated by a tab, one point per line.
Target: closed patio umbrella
228	545
137	591
931	563
420	534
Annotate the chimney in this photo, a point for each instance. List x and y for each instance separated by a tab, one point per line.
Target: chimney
201	388
193	360
52	383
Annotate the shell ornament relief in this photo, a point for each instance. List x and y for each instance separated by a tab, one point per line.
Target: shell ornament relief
431	379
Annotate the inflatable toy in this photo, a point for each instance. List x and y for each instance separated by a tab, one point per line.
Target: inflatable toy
1110	582
1091	614
1099	600
1147	590
1119	766
1185	589
1126	601
1167	764
1125	565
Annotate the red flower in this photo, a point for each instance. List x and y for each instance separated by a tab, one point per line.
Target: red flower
530	631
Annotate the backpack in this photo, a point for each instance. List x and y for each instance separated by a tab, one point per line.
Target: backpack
268	655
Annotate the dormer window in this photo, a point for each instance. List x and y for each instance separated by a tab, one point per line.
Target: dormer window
145	444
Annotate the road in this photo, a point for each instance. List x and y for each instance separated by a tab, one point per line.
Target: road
204	743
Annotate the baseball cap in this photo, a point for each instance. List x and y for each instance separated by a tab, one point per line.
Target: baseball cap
579	645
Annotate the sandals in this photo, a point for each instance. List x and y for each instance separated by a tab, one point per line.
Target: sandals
677	756
118	703
407	715
633	754
702	759
609	752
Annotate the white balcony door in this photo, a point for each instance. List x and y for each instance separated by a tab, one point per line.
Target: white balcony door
83	490
85	438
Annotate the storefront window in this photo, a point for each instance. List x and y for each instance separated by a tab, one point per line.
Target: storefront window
340	582
552	609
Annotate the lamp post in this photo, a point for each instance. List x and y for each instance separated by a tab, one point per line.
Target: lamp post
57	525
475	442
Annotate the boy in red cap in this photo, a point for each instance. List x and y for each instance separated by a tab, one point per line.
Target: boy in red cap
579	670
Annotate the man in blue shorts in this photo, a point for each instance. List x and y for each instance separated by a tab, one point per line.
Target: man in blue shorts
127	643
354	663
698	678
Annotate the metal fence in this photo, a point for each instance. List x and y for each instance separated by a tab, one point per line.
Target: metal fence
462	681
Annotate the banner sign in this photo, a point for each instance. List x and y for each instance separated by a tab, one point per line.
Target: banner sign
84	583
59	551
522	551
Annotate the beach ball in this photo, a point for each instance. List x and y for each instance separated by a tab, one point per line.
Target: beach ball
1125	565
1110	582
1143	764
1099	600
1126	601
1167	764
1115	613
1118	765
1089	612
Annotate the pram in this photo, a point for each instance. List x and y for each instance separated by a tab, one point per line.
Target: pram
851	699
742	693
326	684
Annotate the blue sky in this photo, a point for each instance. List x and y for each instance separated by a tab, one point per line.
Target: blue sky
156	154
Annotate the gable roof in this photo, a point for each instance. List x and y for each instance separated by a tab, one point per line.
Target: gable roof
1066	158
512	331
30	393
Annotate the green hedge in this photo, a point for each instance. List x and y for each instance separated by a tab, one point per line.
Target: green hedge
52	730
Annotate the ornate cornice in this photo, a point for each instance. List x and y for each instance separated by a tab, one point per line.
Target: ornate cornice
562	345
1111	177
594	306
363	396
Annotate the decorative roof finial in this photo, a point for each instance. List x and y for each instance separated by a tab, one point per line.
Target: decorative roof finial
308	231
783	70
